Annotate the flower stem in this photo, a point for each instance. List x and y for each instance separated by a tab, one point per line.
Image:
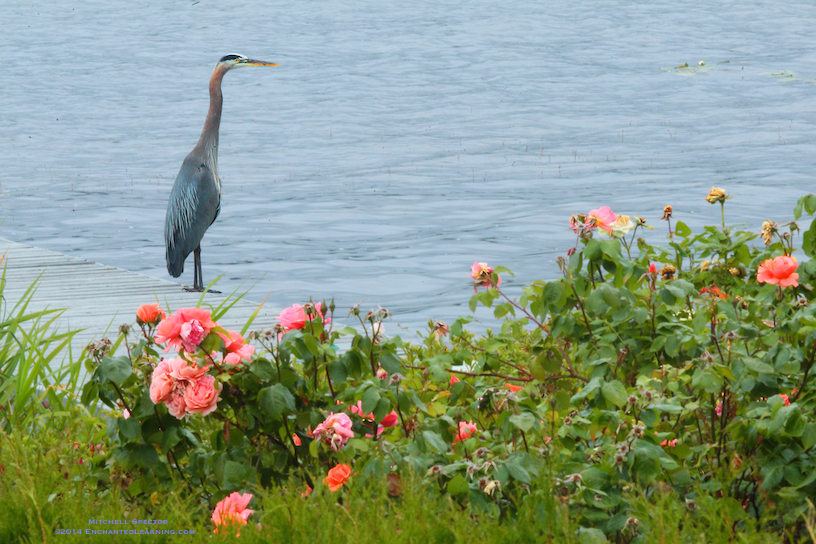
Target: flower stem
722	213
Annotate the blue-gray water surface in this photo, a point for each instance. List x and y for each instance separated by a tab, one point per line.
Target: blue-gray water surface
397	142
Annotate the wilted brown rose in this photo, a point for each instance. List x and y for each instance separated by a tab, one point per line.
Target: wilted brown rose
667	272
667	213
716	195
768	230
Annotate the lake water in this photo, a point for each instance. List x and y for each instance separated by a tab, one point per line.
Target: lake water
397	142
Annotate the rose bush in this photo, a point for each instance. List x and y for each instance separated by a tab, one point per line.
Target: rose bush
665	369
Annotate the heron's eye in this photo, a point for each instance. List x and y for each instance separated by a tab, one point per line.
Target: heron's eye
229	57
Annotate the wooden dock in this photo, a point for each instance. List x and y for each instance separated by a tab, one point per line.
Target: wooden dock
98	298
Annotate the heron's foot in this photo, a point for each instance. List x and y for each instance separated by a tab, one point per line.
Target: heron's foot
200	290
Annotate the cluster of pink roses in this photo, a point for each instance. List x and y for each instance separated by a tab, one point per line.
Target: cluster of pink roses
184	388
181	384
335	431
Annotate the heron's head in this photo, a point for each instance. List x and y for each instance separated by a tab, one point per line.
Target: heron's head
237	61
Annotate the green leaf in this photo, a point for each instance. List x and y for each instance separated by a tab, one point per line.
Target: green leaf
371	397
116	369
612	249
609	295
390	362
757	366
458	485
593	250
170	439
591	535
518	472
615	393
809	436
129	428
337	371
523	421
148	457
553	292
233	475
593	385
435	441
647	463
276	399
681	229
212	343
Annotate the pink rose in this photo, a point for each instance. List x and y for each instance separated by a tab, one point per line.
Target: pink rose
358	409
232	510
335	431
295	318
466	430
780	270
161	383
192	334
481	274
126	413
182	370
176	405
390	420
201	396
601	218
186	329
382	374
236	347
454	379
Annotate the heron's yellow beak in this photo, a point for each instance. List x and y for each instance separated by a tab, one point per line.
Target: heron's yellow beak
250	62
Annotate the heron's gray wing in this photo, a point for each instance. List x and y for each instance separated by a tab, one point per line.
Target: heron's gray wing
194	204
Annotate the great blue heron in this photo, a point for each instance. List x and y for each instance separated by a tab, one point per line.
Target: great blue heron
195	199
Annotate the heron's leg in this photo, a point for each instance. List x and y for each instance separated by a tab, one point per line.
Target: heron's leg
198	283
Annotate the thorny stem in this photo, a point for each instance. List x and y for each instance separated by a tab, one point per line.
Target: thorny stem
121	397
508	363
523	309
586	319
399	413
805	377
328	378
524	437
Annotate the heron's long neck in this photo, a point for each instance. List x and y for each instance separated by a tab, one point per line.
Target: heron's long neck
208	143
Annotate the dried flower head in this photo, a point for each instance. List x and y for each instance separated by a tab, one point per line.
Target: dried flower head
568	420
439	328
632	399
638	430
434	470
632	522
620	459
717	195
574	479
667	213
768	230
667	272
738	272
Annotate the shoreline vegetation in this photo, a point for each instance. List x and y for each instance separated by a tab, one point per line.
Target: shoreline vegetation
652	393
